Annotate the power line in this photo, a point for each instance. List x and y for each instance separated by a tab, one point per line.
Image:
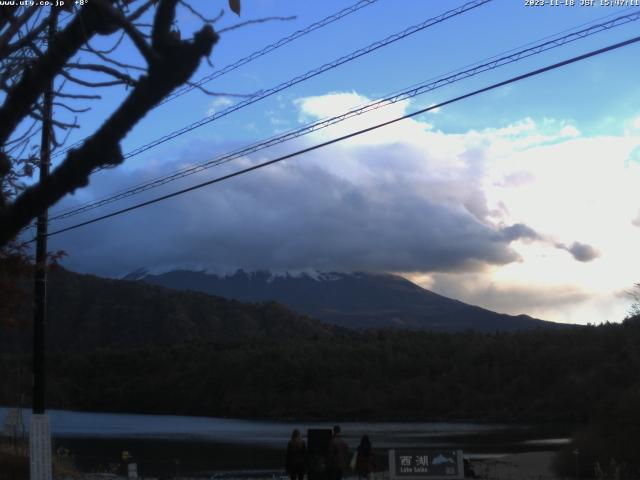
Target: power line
251	57
270	48
306	76
411	92
494	86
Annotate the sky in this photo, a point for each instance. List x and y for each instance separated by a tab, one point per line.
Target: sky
521	200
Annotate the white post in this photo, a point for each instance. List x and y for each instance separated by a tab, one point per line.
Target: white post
40	447
40	431
132	471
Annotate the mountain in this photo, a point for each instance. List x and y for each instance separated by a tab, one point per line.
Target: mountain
86	312
355	300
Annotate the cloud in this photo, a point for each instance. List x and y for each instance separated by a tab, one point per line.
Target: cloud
300	215
406	199
555	301
329	105
516	179
569	131
498	207
519	231
337	103
435	110
580	251
506	298
217	104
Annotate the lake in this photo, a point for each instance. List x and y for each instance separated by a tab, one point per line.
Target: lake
167	444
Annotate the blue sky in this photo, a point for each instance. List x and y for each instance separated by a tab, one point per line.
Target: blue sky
520	200
496	27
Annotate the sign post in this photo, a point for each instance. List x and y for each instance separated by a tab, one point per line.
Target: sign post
423	464
40	447
40	429
132	471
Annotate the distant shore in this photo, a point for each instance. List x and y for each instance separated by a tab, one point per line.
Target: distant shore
517	466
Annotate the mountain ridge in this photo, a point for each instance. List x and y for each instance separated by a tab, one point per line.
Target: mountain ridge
357	300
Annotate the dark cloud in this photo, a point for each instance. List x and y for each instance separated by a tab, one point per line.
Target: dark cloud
519	231
383	214
580	251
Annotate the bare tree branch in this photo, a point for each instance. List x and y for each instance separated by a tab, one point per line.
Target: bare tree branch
89	21
71	109
219	94
140	11
134	34
251	22
116	63
94	67
6	16
176	62
87	83
20	148
7	49
197	14
37	116
143	25
23	136
78	96
55	141
109	50
160	34
16	25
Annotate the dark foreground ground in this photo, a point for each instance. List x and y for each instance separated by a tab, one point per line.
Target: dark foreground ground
168	458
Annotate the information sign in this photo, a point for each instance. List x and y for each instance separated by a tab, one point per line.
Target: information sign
420	464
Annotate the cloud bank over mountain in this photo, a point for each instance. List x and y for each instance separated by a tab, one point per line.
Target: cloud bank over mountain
408	198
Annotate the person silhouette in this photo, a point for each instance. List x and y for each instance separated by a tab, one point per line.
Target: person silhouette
296	461
364	458
337	455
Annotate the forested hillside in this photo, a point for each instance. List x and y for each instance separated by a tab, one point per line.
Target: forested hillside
86	312
130	347
558	375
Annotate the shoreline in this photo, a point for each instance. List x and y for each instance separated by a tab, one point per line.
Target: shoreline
522	466
513	466
531	465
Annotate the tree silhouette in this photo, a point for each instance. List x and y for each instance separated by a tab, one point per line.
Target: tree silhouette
27	68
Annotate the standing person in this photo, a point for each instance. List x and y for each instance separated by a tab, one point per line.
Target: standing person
337	455
364	458
296	456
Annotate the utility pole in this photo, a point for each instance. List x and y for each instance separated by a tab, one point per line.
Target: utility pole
40	428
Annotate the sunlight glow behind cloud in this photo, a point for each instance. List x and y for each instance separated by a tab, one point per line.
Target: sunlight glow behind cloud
529	217
578	192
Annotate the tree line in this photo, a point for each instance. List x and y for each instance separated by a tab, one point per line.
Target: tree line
586	376
569	375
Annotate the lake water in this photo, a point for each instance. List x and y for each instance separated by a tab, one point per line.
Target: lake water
167	444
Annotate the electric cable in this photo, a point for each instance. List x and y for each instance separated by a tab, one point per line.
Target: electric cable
251	57
494	86
411	92
301	78
270	48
